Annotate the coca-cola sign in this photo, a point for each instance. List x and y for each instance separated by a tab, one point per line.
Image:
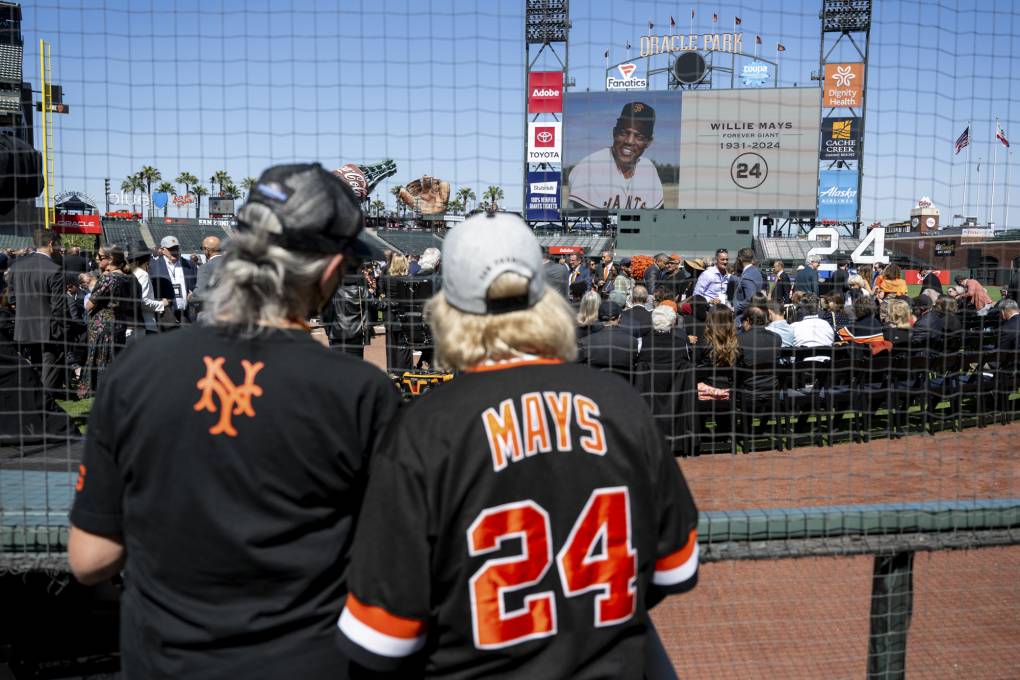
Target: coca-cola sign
545	92
355	179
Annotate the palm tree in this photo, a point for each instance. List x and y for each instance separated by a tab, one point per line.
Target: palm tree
376	207
228	188
396	194
198	191
167	188
220	178
132	185
188	180
454	206
494	195
248	183
465	194
148	175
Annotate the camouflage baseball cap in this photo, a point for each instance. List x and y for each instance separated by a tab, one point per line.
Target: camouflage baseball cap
304	207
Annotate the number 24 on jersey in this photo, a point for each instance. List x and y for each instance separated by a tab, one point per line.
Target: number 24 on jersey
603	523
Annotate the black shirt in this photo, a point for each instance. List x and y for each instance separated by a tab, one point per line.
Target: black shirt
232	469
490	492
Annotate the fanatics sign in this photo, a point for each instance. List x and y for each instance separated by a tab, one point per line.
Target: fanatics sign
544	142
545	92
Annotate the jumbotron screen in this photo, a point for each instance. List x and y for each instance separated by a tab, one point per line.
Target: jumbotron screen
697	149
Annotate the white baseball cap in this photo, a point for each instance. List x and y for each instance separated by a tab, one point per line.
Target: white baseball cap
478	251
169	242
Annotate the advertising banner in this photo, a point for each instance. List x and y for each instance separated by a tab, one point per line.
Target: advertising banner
913	276
748	149
755	74
220	206
627	79
77	224
945	248
545	92
837	196
621	150
544	143
543	196
844	85
566	250
841	139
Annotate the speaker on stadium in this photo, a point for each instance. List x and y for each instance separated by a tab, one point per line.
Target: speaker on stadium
20	171
973	258
689	68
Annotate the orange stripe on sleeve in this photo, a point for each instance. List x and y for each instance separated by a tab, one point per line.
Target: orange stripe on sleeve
384	622
681	556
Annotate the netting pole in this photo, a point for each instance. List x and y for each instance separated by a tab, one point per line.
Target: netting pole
892	603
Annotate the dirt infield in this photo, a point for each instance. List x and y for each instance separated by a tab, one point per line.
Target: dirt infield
808	618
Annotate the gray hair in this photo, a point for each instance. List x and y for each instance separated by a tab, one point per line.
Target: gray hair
429	258
1009	306
663	318
812	258
639	294
259	284
588	310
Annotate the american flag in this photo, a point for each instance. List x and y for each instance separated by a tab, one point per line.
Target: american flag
1000	134
963	140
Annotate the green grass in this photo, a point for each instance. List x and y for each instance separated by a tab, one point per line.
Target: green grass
993	291
78	410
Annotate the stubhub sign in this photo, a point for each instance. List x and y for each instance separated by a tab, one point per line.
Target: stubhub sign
543	196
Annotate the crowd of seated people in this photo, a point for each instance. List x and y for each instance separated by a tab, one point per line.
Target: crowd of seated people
650	339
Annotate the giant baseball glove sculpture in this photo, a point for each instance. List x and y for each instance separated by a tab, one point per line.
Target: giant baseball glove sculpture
428	195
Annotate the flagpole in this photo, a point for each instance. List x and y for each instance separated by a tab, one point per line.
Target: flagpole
991	182
1005	219
732	59
778	84
966	175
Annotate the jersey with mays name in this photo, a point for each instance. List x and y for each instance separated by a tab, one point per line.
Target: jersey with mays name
518	523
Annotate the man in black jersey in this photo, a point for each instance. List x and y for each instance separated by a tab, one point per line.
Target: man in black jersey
522	519
233	534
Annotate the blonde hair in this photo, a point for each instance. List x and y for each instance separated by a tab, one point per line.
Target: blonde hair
588	310
398	266
464	340
898	313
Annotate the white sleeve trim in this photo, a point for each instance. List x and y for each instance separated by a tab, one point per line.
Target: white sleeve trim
377	642
678	575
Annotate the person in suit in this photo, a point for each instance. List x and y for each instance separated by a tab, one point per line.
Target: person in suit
839	282
759	348
653	272
636	318
556	274
206	276
173	278
74	262
76	335
750	283
1009	329
611	347
579	270
39	295
783	287
930	281
807	278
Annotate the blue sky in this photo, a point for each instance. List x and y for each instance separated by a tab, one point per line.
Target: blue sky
438	85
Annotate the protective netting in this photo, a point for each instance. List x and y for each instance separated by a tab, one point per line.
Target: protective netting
832	415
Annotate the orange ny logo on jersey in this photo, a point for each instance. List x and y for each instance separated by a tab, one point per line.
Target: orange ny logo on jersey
235	400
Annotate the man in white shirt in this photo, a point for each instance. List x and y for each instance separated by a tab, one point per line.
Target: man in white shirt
811	331
617	177
173	277
712	282
152	307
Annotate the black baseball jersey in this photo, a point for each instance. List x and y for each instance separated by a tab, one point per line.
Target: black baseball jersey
517	523
233	470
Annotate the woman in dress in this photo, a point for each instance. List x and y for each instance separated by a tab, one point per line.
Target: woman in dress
112	308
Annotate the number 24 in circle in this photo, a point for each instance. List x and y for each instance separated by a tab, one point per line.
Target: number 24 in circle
612	573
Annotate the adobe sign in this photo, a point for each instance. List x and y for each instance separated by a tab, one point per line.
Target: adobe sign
545	92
